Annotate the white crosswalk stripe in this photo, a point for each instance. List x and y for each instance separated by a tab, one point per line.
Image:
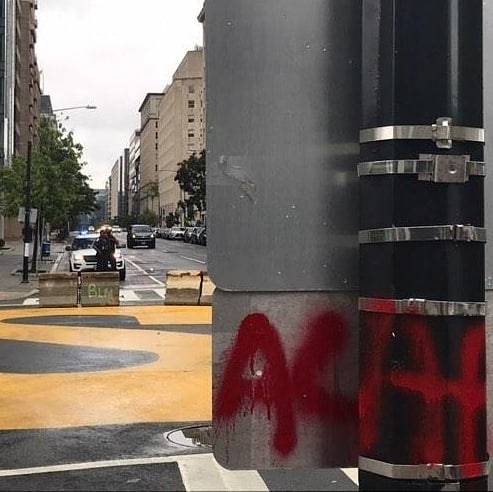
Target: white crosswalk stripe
201	472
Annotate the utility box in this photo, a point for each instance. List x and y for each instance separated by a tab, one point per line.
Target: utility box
100	289
283	120
58	289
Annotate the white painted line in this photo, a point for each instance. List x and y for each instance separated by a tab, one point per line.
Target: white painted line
55	266
31	302
201	472
352	474
86	466
193	259
140	269
138	287
161	293
129	296
243	480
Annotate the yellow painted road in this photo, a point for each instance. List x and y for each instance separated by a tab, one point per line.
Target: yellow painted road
175	388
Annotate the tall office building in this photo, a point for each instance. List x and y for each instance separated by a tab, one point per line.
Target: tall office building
119	181
20	92
134	174
149	149
181	126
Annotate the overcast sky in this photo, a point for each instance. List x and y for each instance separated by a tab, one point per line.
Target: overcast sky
110	53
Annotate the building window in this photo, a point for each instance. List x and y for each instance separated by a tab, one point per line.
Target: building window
157	147
191	104
191	120
191	89
157	135
191	134
157	124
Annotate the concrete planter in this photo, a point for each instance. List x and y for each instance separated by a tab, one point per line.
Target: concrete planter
58	289
100	289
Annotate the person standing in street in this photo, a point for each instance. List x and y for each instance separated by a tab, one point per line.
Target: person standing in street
113	245
103	247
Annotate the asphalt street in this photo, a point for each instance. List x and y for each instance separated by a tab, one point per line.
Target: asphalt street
146	269
104	398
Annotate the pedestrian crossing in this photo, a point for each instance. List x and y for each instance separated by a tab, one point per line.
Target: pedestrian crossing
196	473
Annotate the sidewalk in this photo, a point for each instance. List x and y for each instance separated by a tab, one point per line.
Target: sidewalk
11	259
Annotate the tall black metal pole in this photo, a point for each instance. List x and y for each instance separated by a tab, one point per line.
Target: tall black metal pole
27	218
422	360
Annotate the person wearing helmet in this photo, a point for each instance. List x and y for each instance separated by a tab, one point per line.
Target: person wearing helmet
103	251
113	245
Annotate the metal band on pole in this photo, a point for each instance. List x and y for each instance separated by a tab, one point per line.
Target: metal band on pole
426	233
422	307
443	133
439	169
431	471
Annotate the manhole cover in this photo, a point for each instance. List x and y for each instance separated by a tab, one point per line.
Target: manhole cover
191	437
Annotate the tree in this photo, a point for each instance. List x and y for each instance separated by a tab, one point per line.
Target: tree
172	219
60	189
191	176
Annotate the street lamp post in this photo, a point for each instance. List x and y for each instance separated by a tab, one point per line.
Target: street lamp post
28	232
71	108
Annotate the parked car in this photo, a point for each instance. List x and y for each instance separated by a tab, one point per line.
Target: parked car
188	234
163	232
203	237
176	233
82	255
194	238
141	235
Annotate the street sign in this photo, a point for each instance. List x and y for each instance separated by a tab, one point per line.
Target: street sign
283	143
22	215
285	380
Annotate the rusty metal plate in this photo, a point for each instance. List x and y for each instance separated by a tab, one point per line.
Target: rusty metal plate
285	380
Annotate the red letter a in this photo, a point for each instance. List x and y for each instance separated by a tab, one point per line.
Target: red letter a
243	387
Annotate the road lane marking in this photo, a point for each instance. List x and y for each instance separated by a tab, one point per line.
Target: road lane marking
55	266
86	466
31	302
352	474
145	273
201	472
193	259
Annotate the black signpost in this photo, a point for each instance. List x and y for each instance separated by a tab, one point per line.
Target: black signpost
422	328
27	219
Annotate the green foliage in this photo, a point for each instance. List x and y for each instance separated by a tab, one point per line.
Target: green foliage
191	177
172	220
147	218
60	190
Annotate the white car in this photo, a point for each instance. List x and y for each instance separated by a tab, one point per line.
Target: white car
176	233
83	256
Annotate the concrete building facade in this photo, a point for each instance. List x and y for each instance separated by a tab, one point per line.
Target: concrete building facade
108	199
181	127
20	96
149	151
114	190
28	91
134	174
118	187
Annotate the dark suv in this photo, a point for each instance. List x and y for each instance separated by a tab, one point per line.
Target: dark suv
141	235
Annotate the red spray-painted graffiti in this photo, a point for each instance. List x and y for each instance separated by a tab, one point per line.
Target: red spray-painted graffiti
424	380
278	389
257	377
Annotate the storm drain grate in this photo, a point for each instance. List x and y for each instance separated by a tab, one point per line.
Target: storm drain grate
192	437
